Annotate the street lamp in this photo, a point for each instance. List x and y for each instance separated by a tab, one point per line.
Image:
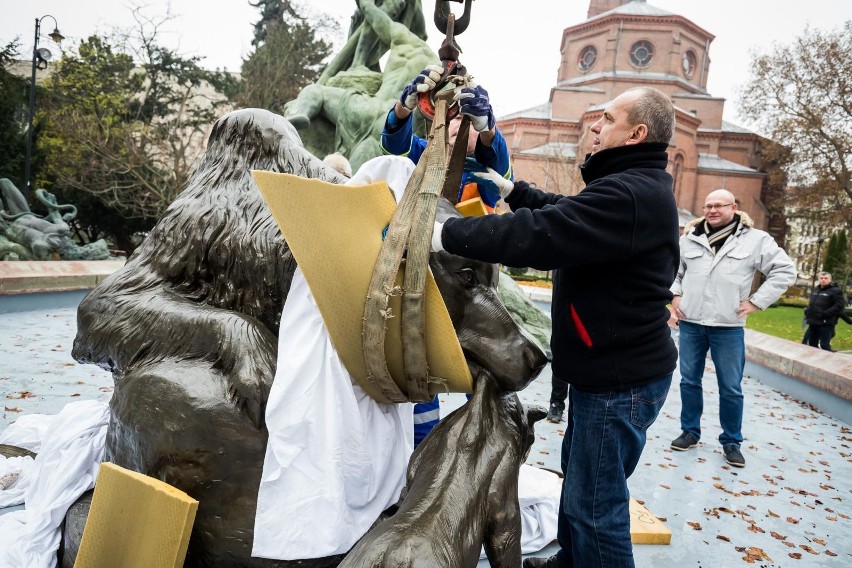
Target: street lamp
40	59
820	240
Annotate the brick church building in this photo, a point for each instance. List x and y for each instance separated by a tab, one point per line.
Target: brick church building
630	43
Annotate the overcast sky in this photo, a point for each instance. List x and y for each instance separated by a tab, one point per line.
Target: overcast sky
511	46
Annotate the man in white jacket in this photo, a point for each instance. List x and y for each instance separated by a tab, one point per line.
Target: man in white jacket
719	254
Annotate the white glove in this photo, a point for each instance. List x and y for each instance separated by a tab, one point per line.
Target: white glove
437	245
504	186
424	82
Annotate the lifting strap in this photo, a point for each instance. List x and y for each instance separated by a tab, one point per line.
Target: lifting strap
408	241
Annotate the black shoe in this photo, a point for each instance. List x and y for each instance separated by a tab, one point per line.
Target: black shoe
733	455
551	562
684	442
555	412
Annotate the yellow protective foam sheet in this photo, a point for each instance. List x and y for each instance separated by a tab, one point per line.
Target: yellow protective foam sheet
335	234
135	521
645	528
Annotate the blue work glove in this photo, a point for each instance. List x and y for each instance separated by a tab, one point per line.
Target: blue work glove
488	181
423	83
473	102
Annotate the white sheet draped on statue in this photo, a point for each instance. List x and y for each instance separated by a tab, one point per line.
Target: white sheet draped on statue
335	457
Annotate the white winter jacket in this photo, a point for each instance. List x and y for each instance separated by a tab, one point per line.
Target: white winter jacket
712	287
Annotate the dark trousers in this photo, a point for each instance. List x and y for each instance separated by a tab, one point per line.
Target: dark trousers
820	335
558	391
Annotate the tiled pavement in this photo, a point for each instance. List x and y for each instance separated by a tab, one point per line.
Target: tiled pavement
791	503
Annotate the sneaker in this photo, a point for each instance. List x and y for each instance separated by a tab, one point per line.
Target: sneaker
733	455
555	412
684	442
551	562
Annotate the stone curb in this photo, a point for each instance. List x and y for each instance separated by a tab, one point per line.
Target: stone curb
27	277
829	372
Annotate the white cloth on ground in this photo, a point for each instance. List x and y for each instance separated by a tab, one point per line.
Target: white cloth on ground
66	466
335	458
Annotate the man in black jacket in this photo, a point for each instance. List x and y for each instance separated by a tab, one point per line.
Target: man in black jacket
825	307
615	251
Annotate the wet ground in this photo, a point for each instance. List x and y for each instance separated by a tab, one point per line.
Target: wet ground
789	507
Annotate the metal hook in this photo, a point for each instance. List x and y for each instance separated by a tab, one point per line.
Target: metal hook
442	13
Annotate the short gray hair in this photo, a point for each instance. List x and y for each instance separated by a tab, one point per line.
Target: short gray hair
654	109
824	273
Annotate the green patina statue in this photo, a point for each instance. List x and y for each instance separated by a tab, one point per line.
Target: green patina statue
27	236
345	110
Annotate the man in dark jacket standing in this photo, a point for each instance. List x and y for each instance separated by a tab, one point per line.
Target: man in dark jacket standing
615	251
825	307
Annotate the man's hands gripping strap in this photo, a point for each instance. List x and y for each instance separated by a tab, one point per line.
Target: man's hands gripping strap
423	83
473	102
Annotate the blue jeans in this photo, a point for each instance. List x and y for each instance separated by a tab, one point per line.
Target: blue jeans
727	349
603	441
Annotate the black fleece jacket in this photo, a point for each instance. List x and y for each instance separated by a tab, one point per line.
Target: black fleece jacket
825	306
615	251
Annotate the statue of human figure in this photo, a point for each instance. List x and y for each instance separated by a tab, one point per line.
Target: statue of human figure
358	109
364	47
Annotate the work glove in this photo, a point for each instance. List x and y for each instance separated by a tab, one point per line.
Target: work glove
437	244
473	102
423	83
490	179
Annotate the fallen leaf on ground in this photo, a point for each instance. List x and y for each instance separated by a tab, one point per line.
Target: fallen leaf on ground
694	525
754	554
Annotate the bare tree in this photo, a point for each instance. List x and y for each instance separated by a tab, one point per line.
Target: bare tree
125	121
800	96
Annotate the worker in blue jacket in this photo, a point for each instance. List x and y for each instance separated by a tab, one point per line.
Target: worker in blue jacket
488	150
486	145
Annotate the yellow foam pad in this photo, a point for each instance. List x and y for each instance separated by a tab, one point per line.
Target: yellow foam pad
473	207
135	521
645	528
335	234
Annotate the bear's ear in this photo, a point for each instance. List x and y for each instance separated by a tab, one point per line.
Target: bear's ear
534	414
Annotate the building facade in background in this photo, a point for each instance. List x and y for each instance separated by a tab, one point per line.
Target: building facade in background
630	43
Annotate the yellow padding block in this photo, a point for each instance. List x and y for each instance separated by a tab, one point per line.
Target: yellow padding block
473	207
135	521
645	528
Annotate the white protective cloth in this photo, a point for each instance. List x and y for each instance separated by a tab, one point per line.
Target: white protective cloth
335	458
66	466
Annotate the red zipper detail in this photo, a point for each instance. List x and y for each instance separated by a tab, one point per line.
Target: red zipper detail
581	329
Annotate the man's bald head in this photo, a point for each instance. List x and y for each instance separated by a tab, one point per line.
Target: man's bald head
719	208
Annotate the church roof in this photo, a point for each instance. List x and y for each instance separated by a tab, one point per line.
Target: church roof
542	111
729	127
553	150
717	163
635	8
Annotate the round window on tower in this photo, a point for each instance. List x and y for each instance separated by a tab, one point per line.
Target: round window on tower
689	62
587	58
641	53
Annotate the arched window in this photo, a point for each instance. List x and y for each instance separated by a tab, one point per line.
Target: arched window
677	177
689	62
641	53
587	58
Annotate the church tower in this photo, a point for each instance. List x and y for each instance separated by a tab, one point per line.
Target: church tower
597	7
630	43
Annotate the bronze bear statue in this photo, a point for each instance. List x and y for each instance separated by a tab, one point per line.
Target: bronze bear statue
189	329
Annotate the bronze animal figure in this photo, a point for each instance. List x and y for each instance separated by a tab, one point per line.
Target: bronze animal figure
461	490
189	329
